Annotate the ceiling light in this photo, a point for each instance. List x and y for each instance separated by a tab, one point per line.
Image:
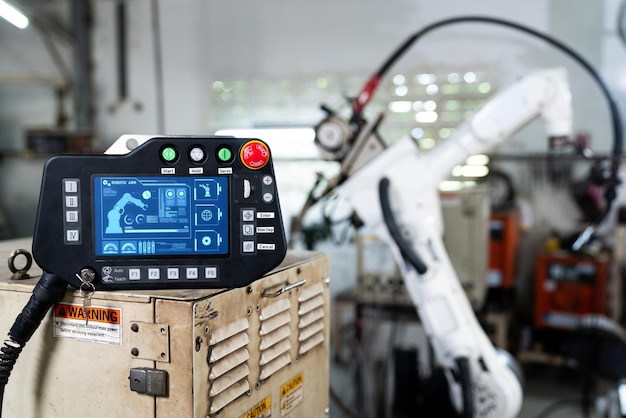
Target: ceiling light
13	15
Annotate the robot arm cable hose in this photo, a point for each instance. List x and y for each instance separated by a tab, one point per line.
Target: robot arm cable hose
394	230
415	260
49	290
615	118
465	379
369	88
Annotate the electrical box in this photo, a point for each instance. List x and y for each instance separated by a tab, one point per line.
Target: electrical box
257	351
568	286
466	238
378	278
504	232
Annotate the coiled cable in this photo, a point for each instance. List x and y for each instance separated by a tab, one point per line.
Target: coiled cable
49	290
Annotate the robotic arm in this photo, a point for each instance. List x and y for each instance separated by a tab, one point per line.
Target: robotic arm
405	181
414	175
115	214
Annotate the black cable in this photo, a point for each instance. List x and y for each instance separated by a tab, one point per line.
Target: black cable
621	13
158	65
122	50
617	126
49	290
368	90
407	251
467	392
610	193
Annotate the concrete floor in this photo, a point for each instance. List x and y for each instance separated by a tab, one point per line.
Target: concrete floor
560	389
549	392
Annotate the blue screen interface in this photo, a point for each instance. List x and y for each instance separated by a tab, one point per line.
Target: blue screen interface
154	216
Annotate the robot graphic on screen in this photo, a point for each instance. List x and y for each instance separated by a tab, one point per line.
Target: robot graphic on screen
207	190
116	213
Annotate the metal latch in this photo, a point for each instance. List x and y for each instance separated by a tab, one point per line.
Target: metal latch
148	381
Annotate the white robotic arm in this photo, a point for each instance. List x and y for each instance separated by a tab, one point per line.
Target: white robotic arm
406	182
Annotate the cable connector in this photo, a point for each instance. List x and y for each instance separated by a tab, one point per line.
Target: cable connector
48	291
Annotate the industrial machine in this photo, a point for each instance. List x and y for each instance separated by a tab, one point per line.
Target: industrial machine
196	211
393	190
185	302
568	287
466	215
256	351
504	232
409	218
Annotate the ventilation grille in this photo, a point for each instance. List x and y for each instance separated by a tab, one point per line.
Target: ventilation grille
228	364
275	344
311	324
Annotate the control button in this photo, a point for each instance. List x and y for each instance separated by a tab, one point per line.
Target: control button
172	273
72	235
247	215
169	154
248	246
255	154
71	201
210	272
134	274
192	272
267	180
224	154
268	197
197	154
154	273
248	229
247	189
71	216
71	186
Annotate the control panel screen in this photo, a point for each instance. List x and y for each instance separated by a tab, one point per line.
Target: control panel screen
160	216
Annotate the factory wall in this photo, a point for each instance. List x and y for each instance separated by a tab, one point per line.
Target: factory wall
200	42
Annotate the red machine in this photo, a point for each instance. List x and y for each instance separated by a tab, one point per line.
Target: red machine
503	242
568	286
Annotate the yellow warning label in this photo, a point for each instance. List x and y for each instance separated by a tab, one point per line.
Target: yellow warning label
291	395
291	385
261	410
95	314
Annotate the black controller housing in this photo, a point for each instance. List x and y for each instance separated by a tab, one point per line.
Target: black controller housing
175	212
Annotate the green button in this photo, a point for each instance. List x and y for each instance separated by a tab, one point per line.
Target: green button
224	154
169	154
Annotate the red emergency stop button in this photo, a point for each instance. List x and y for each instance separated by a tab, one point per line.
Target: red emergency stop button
254	154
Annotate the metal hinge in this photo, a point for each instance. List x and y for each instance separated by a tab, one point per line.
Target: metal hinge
150	341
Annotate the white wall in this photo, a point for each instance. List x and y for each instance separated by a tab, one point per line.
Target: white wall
203	41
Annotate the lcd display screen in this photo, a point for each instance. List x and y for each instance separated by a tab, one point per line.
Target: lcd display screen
160	216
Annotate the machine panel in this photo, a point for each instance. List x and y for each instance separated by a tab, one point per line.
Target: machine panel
568	286
197	353
174	212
